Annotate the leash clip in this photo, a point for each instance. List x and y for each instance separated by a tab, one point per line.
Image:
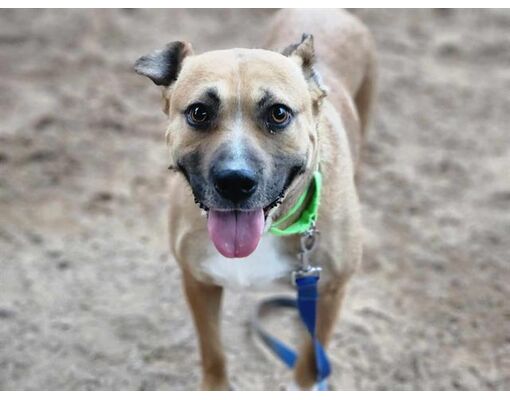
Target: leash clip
302	272
308	241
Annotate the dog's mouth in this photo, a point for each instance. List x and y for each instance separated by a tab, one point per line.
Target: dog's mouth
265	209
236	233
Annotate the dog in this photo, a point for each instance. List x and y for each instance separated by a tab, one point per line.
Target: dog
247	129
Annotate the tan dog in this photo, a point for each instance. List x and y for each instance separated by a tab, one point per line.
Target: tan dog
247	129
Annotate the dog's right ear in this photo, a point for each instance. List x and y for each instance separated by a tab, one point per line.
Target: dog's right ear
163	66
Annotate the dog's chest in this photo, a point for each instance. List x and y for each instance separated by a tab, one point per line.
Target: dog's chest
267	263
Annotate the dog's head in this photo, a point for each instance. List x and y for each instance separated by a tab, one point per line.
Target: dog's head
242	130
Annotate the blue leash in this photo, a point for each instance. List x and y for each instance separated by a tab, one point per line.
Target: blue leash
305	278
306	304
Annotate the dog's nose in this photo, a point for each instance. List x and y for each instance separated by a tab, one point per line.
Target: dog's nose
235	185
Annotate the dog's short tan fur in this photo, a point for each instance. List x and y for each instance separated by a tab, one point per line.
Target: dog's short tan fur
329	130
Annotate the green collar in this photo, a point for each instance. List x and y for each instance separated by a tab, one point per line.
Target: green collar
308	215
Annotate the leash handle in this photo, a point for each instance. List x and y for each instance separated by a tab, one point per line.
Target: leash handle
286	354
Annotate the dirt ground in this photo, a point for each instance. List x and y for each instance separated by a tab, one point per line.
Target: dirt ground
89	296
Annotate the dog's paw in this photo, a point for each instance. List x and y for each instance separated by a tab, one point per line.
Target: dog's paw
215	386
320	386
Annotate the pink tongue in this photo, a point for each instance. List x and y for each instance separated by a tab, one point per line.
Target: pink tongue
235	233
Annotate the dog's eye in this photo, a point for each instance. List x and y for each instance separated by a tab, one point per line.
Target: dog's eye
279	116
198	114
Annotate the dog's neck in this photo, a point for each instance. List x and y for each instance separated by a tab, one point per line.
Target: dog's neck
301	186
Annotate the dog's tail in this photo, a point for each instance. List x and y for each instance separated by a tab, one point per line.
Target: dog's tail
364	96
364	101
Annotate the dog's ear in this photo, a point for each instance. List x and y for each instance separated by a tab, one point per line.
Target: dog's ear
163	66
303	54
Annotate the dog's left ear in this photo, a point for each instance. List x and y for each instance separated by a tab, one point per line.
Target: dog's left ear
163	66
303	54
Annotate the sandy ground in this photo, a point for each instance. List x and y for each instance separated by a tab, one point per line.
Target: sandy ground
90	298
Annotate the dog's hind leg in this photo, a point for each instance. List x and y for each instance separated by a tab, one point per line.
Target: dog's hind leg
205	303
330	301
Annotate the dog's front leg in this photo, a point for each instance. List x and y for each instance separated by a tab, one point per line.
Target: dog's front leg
205	302
328	308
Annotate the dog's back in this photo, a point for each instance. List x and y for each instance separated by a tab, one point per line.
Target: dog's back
345	59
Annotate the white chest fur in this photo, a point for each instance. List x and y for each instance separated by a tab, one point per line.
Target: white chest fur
266	264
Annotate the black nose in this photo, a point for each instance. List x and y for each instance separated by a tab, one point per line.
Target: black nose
235	185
